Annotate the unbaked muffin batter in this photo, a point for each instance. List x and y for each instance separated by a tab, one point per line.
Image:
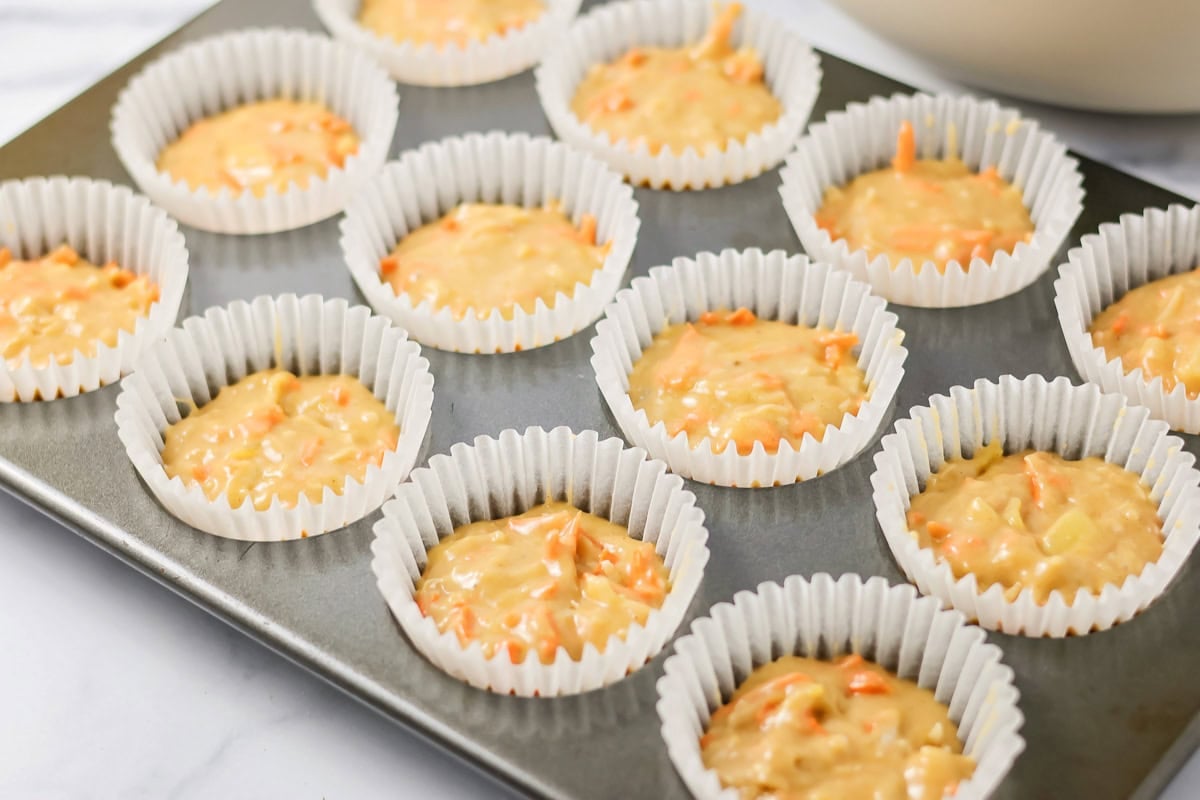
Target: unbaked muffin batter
704	94
485	257
275	435
1156	327
53	306
552	577
927	210
736	378
443	22
804	729
258	146
1034	520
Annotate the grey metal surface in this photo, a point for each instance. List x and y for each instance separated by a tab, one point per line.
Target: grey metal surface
1102	710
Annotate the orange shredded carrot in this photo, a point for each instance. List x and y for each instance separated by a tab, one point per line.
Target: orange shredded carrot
937	530
743	69
801	422
836	344
762	691
976	236
309	450
550	642
767	380
612	101
229	179
65	254
749	431
686	360
122	278
515	650
991	174
706	739
1120	323
826	222
634	58
466	625
340	395
867	682
743	316
425	600
915	518
388	265
813	724
849	661
716	39
906	148
546	591
76	293
587	229
1040	478
200	472
448	224
914	237
553	546
261	423
1155	331
764	712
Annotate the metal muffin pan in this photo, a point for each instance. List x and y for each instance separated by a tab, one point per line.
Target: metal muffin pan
1108	715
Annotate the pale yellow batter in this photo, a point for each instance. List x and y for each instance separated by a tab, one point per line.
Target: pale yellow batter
803	729
1156	327
705	94
927	210
733	377
1034	520
258	146
486	257
56	305
552	577
447	22
274	435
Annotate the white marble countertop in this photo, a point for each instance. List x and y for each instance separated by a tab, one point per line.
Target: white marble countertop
114	687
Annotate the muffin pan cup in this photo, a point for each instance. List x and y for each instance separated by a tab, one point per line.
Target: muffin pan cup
496	57
223	72
515	169
862	138
792	72
1057	416
507	475
102	222
1120	257
308	336
774	286
822	618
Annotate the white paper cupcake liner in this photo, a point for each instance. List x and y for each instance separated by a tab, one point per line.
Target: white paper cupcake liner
515	169
889	625
507	475
980	132
792	72
496	57
222	72
102	222
308	336
773	286
1074	421
1123	256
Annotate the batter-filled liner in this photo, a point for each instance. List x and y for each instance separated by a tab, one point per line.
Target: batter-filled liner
505	476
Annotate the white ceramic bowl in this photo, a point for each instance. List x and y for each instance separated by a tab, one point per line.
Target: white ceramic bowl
1103	55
